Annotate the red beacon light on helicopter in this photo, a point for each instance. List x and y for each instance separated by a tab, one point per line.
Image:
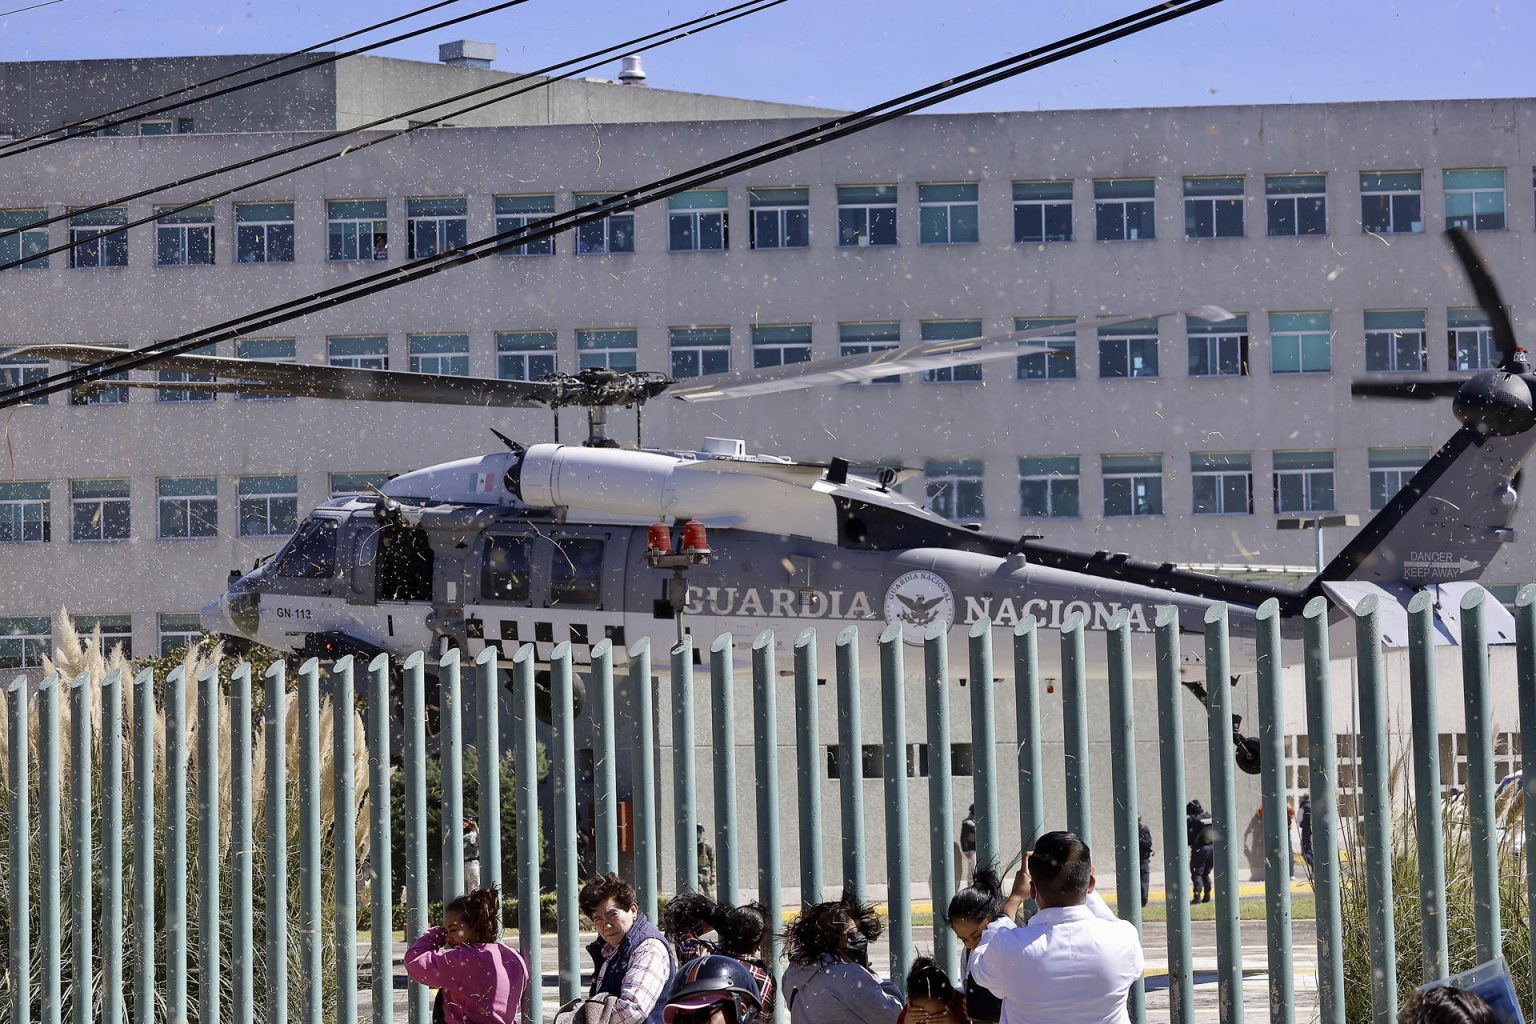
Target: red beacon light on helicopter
695	540
658	539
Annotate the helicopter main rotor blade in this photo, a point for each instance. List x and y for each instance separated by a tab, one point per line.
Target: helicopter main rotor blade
1486	291
1418	390
931	355
316	380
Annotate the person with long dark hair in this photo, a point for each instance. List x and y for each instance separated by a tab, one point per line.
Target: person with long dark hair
970	911
739	933
479	978
829	980
931	997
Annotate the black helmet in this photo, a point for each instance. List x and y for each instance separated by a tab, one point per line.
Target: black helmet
714	979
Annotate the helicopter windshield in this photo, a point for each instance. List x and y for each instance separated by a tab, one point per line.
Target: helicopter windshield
311	554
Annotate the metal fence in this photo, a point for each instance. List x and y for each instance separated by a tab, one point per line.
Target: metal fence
127	923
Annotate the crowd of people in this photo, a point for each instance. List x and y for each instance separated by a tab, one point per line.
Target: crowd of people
1072	962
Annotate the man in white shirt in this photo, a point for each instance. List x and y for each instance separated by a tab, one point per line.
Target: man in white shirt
1068	965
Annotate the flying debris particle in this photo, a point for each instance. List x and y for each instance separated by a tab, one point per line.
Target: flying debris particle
1294	435
789	566
1333	275
1158	413
1378	238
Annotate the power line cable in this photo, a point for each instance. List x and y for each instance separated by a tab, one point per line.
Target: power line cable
217	78
638	44
819	135
23	10
328	59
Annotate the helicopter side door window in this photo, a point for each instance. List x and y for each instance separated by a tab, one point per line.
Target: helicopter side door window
506	572
576	573
311	555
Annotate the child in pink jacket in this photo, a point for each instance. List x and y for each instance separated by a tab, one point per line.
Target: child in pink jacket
482	980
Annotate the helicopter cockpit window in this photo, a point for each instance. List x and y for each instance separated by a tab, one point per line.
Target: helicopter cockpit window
504	575
576	572
404	564
311	555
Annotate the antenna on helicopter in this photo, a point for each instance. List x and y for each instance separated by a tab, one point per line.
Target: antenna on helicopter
512	446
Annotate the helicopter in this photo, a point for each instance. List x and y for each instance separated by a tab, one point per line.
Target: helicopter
546	543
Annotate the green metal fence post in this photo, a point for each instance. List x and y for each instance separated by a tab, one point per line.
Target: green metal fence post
1278	863
723	712
381	902
209	823
144	845
644	771
275	727
1323	779
898	864
1176	880
81	850
1218	686
1074	724
344	852
766	748
1482	820
18	740
112	1005
488	735
1525	655
850	761
450	753
1026	685
563	712
684	793
242	849
989	845
176	761
940	793
807	766
605	813
1426	785
414	752
526	755
1377	809
1122	760
310	885
50	830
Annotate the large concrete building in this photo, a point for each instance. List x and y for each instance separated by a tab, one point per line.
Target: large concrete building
1170	438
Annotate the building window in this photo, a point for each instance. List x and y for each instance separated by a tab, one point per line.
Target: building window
25	642
1123	209
269	505
1213	207
606	350
1395	341
1303	481
614	233
952	330
1218	349
1128	350
98	510
434	226
356	483
264	232
1222	485
1300	342
525	355
357	229
165	394
513	213
93	243
698	221
859	339
1050	487
23	369
780	344
1042	211
781	217
367	352
1470	340
115	632
155	127
1296	204
184	238
189	508
1060	364
446	354
265	350
1391	469
18	241
1133	485
98	393
1391	203
185	125
25	513
953	489
866	215
700	351
178	631
948	214
1474	200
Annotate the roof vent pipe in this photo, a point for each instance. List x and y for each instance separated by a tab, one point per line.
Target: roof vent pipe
632	73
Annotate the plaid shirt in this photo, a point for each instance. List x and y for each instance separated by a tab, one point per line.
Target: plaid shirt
690	947
649	967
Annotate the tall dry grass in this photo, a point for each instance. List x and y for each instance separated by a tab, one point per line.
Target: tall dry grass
78	655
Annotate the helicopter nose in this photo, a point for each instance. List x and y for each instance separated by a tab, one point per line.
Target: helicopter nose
215	616
235	613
